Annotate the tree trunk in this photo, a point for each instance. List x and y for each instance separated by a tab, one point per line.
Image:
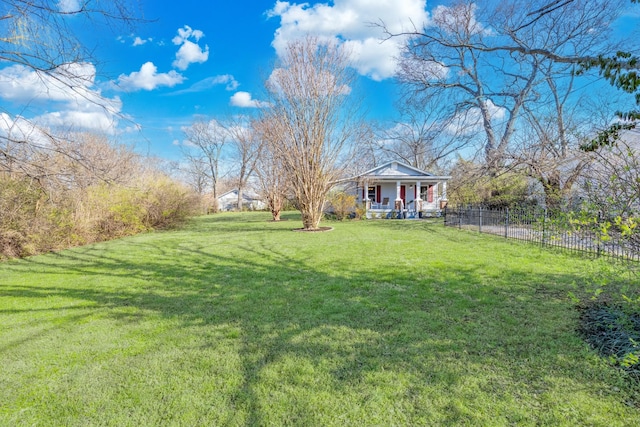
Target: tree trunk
552	193
311	219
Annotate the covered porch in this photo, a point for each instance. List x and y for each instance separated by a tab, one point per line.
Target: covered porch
396	190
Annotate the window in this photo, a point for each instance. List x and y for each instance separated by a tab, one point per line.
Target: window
426	193
371	193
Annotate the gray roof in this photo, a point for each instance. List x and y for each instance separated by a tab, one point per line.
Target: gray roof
399	171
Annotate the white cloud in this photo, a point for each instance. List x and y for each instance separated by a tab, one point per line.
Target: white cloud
186	33
373	59
227	79
66	83
73	84
244	100
189	52
205	84
139	41
352	21
459	19
68	6
148	78
21	129
84	119
68	92
470	121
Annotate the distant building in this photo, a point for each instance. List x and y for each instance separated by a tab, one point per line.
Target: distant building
250	201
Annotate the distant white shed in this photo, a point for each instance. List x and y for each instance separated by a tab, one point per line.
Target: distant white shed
251	201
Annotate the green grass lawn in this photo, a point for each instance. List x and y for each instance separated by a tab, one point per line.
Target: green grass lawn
235	320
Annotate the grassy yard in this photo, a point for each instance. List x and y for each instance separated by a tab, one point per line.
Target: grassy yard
235	320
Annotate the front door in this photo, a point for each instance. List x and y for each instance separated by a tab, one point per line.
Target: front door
403	195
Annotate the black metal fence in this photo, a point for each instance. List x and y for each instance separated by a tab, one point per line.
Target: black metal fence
573	231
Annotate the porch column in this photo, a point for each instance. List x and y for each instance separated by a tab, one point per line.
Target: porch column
398	204
443	199
365	193
418	198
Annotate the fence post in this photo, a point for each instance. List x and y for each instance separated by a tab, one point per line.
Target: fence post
459	217
599	235
480	218
506	224
544	227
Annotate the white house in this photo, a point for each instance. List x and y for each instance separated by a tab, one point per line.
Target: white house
229	201
396	189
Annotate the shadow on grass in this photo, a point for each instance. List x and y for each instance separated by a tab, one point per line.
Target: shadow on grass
442	326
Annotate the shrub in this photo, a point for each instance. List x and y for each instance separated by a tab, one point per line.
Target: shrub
112	192
20	200
12	244
167	203
31	223
470	185
614	331
342	204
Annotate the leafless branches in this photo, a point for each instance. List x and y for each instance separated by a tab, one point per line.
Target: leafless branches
37	38
206	140
427	135
494	62
612	180
309	107
247	148
270	168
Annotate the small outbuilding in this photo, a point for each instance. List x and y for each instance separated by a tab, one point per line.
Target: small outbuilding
250	201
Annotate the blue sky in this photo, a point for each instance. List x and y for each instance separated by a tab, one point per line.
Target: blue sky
208	58
211	59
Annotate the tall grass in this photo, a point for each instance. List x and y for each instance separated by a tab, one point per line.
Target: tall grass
236	320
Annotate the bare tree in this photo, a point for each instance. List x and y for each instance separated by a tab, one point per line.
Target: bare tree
195	172
427	135
489	60
548	146
70	160
39	36
272	173
38	33
247	149
612	181
206	140
308	98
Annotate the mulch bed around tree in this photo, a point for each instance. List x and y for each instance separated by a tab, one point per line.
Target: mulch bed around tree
317	230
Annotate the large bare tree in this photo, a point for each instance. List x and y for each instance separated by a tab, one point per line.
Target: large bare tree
494	58
547	149
309	102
